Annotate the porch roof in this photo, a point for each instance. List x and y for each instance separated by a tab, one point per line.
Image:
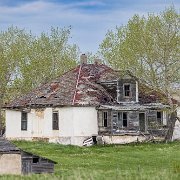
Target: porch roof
134	107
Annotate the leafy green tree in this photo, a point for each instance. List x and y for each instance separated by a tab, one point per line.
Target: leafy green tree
26	61
49	56
149	48
11	41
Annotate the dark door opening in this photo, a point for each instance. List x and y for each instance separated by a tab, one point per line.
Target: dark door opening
142	122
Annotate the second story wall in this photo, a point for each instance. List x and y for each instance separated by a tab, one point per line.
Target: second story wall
127	90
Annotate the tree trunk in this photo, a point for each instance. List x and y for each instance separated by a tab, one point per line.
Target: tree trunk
171	125
1	124
1	118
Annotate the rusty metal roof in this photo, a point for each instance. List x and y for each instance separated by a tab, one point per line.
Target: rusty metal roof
78	87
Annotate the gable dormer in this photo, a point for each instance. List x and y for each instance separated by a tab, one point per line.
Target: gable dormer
127	90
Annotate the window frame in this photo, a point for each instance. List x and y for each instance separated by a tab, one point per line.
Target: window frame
121	119
24	121
105	119
159	119
124	119
35	160
55	122
124	90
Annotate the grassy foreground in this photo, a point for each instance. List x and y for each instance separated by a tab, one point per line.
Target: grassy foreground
135	161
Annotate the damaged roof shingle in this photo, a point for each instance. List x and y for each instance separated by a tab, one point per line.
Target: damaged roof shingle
80	86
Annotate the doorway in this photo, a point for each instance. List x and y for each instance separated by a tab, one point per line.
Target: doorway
142	124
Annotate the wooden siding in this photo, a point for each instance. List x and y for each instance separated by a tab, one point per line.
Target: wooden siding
120	90
35	164
115	122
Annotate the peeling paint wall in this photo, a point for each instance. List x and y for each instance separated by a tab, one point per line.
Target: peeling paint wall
134	122
13	125
10	164
122	139
75	124
176	133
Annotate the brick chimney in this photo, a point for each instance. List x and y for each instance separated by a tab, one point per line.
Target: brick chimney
83	59
97	61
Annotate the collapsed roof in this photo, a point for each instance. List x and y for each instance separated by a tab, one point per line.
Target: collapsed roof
80	86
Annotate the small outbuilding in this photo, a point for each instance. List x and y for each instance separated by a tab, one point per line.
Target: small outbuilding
16	161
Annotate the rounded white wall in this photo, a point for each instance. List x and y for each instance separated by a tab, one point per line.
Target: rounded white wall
85	121
77	121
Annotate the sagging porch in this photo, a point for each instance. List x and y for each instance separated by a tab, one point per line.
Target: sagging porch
133	119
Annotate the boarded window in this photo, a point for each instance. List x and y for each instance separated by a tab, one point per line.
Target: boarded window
55	119
127	90
105	118
124	119
24	121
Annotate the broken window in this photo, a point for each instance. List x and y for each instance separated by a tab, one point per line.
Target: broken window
105	118
24	121
124	119
55	119
159	117
35	159
127	90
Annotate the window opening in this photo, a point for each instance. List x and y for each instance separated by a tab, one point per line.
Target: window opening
124	119
105	115
127	90
35	159
24	121
55	119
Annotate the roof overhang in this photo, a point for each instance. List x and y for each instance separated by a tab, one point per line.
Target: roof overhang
134	107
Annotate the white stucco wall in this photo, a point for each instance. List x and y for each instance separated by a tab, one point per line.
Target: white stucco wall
124	139
75	124
10	163
85	121
176	132
13	125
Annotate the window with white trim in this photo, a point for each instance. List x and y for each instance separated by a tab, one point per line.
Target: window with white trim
159	117
24	120
127	90
55	120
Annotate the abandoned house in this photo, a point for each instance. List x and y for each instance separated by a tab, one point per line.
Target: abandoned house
16	161
92	100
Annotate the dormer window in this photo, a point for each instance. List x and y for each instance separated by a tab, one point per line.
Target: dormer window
127	90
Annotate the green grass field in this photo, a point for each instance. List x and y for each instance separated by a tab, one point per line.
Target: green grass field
135	161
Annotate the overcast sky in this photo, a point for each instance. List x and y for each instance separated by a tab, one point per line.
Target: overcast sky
90	19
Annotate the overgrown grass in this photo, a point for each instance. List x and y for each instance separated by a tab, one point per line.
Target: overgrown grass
136	161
